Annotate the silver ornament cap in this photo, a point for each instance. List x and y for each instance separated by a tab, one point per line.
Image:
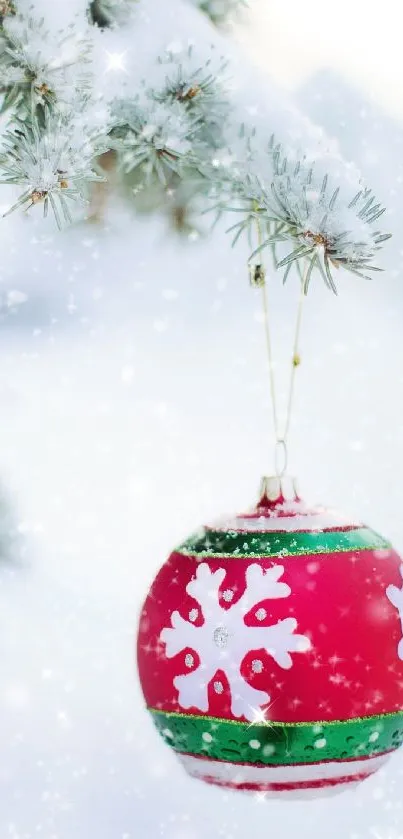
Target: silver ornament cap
278	488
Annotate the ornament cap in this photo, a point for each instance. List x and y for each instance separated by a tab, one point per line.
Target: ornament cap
275	489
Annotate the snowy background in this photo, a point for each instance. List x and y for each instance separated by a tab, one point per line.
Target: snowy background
134	406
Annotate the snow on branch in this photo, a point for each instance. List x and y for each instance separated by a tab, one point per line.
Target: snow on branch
39	68
174	123
321	223
174	120
53	165
201	90
152	136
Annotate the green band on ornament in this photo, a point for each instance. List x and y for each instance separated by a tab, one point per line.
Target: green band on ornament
232	543
277	744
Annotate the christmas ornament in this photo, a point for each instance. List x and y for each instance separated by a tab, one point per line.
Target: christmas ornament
270	648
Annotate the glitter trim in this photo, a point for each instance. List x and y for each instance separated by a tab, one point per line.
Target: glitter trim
280	743
369	717
233	544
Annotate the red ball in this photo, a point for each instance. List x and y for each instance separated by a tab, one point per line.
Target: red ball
270	648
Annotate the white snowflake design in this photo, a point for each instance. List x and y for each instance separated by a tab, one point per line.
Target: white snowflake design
223	640
395	595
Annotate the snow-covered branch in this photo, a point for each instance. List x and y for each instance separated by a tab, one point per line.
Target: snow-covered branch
52	164
177	129
40	68
324	222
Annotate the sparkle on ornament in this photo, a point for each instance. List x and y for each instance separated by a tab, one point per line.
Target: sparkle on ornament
325	707
168	733
257	665
115	61
321	743
337	679
228	595
312	567
218	687
254	744
268	750
193	614
220	636
261	614
259	715
335	659
189	660
373	737
207	737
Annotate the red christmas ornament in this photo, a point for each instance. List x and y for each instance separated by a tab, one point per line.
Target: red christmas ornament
270	648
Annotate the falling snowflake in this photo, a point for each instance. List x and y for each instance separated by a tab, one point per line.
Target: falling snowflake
395	595
223	640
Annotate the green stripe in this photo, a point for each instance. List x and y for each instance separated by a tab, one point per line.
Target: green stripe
276	744
232	543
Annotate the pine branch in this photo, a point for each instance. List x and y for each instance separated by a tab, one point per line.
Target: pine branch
305	211
200	88
38	71
165	135
53	164
151	137
171	139
110	13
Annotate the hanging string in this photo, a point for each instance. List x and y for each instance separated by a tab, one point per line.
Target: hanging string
258	277
296	358
265	300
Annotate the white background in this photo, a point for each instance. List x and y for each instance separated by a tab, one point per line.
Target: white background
362	41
